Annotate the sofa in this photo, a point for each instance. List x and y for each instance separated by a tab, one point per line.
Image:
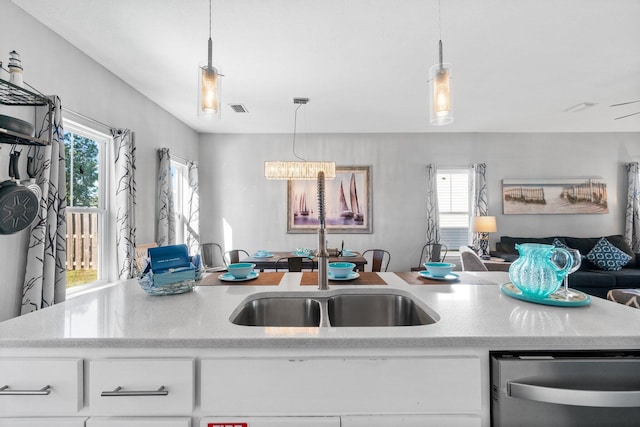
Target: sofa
590	278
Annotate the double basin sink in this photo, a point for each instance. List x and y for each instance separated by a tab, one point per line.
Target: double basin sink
343	308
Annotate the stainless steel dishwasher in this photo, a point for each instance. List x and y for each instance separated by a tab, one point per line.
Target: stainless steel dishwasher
586	388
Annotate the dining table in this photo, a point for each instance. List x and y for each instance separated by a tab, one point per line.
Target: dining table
269	262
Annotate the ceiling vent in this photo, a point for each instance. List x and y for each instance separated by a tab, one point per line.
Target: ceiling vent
238	108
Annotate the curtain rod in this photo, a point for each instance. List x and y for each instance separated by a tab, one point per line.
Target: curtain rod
68	110
180	158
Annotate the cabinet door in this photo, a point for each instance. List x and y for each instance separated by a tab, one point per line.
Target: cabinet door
270	422
141	386
411	421
356	386
46	386
139	422
42	422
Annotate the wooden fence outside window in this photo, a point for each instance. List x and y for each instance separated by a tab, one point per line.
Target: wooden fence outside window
82	241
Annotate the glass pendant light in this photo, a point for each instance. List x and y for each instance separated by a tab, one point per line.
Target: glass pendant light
209	84
441	108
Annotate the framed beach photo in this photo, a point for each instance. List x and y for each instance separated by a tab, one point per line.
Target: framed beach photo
347	203
554	196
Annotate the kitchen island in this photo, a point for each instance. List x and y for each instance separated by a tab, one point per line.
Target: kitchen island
415	375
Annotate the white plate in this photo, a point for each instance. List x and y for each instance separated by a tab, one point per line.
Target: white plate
351	276
447	278
269	255
349	255
227	277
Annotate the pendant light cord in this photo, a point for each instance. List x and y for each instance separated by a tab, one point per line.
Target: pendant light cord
209	19
295	125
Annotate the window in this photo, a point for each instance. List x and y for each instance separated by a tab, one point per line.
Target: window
86	204
453	204
179	182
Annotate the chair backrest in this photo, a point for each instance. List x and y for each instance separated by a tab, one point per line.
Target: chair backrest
212	256
433	252
142	251
294	263
380	259
233	256
470	260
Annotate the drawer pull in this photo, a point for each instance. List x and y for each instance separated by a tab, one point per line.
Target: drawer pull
118	391
6	391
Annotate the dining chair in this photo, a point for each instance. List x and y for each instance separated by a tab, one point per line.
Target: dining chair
380	259
212	257
233	256
294	263
470	261
431	252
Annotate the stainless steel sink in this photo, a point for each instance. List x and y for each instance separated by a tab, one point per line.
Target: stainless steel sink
279	311
376	310
341	308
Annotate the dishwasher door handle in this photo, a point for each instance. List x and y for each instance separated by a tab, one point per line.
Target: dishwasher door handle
564	396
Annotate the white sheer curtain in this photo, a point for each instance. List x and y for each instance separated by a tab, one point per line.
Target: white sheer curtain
632	219
479	196
433	213
124	194
45	279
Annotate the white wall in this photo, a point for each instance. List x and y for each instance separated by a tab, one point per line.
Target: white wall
54	66
234	191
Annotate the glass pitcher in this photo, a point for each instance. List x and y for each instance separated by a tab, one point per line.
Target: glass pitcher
534	272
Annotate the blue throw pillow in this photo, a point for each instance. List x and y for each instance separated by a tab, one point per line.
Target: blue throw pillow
607	256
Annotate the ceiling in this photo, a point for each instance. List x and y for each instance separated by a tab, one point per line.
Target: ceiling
517	66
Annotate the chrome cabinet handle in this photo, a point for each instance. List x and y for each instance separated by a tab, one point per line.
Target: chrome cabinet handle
118	391
6	391
563	396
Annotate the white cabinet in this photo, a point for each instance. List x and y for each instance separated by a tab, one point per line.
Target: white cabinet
46	386
42	422
139	422
143	386
412	421
354	385
271	422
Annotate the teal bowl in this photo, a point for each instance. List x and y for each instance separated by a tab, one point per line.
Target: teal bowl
439	269
240	270
341	270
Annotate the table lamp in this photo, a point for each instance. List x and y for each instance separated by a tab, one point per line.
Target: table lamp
483	225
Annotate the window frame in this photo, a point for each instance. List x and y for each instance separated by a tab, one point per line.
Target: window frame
452	170
103	141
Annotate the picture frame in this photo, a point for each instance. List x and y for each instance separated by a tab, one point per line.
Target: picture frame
351	187
554	196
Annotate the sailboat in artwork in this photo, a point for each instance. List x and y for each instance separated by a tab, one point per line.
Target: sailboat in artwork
303	209
345	212
358	216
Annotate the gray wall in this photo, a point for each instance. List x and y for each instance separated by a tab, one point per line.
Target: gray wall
54	66
244	210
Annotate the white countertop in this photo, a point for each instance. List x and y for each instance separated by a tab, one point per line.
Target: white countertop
470	316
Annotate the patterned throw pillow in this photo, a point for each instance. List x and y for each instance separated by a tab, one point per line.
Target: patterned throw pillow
558	243
607	256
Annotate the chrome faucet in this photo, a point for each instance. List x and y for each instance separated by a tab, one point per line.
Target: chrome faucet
323	254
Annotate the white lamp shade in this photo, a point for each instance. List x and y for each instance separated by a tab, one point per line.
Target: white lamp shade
298	170
441	110
208	91
484	224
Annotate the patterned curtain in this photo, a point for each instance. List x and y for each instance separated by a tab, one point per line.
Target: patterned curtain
45	279
632	223
479	199
125	200
166	231
193	213
433	213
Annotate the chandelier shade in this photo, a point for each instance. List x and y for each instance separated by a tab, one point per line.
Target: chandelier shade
298	170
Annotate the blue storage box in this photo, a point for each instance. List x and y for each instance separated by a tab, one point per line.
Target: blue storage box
171	264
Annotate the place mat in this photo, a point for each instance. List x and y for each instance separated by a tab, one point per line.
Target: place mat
366	278
414	278
264	279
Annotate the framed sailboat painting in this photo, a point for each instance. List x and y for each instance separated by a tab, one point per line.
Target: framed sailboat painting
347	203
